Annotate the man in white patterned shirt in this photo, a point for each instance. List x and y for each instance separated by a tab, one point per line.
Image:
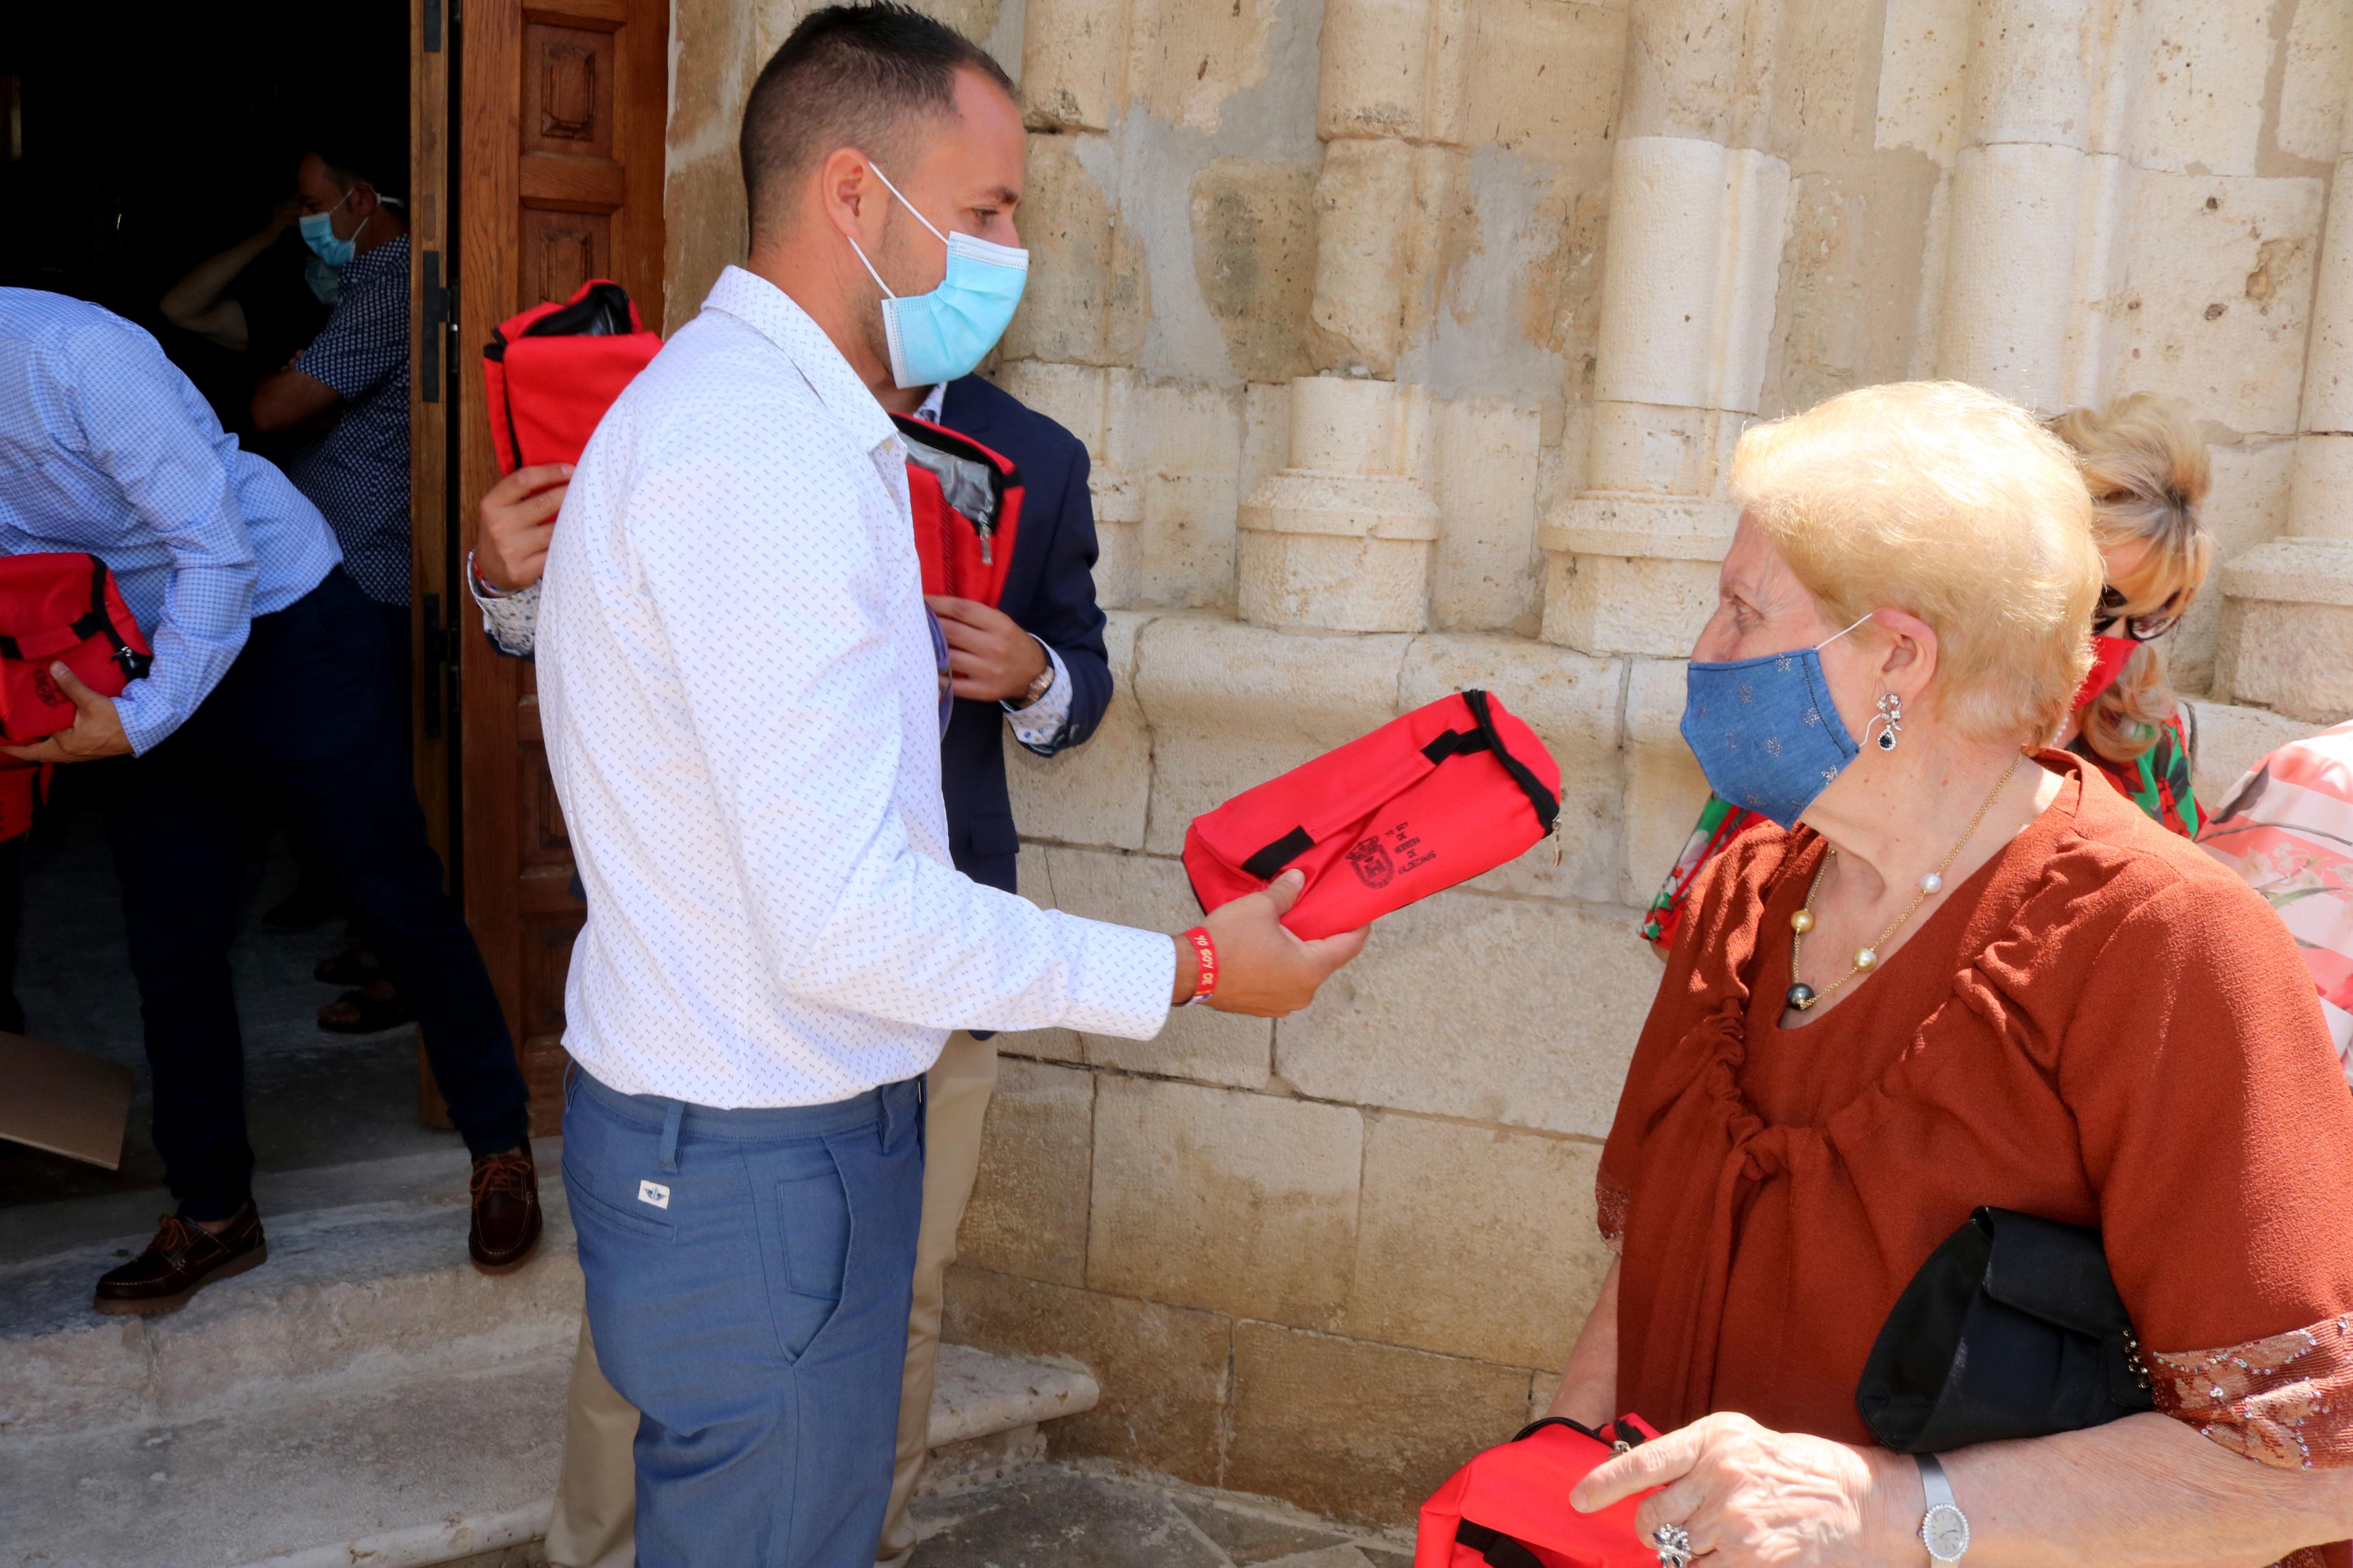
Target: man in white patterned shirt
741	701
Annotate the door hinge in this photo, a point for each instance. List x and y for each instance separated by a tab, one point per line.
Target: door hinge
432	342
441	649
432	27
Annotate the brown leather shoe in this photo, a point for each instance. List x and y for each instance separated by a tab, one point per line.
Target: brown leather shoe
506	1211
184	1258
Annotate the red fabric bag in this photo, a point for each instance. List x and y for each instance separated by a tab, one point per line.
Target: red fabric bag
1452	789
549	372
967	504
1509	1506
61	605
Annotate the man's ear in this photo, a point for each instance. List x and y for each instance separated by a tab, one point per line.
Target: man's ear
847	190
363	198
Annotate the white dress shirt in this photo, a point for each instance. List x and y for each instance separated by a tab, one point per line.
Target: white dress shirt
512	623
741	713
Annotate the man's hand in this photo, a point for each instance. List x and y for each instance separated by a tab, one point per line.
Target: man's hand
990	657
517	520
97	729
1262	969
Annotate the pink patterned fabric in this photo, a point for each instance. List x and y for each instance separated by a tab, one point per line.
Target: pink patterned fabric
2287	829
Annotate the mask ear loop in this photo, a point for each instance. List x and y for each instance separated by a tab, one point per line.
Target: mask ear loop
1834	635
911	207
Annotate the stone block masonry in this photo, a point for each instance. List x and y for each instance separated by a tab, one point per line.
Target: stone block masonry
1410	341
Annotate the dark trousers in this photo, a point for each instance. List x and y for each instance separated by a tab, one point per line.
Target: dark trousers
309	708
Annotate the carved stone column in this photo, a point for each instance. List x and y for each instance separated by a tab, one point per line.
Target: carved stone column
2287	615
1340	538
1693	260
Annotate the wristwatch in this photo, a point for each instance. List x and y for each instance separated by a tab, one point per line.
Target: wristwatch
1944	1529
1041	686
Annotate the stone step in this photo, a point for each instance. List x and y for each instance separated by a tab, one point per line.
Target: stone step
419	1470
363	1396
356	1293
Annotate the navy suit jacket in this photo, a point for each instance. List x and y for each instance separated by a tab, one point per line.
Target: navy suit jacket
1049	592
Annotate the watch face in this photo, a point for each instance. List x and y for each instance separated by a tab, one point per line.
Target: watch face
1947	1532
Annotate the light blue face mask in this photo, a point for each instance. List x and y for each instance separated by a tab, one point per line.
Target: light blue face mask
326	282
1765	731
319	234
944	334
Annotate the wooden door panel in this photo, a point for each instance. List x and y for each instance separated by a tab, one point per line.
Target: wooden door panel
560	181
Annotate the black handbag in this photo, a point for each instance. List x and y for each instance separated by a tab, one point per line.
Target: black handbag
2013	1329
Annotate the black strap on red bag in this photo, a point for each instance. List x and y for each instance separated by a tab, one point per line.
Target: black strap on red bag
36	647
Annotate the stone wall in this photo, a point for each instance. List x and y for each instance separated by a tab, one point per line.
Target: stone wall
1409	339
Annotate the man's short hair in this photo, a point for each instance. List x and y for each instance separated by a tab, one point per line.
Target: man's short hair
352	155
850	76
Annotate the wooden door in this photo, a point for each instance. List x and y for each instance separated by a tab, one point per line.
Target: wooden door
559	159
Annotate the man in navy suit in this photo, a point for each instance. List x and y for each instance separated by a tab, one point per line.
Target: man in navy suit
1035	665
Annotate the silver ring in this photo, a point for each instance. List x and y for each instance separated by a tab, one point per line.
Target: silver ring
1673	1543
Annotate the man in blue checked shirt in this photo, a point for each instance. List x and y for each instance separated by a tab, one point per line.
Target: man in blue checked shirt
269	668
348	394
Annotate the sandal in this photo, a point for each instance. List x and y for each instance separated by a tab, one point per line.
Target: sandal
360	1012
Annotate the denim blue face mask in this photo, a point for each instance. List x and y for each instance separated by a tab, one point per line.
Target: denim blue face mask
1765	730
319	234
944	334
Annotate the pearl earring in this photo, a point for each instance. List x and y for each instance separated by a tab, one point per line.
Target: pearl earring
1887	723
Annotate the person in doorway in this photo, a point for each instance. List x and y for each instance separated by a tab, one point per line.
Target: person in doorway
743	707
347	395
2145	464
1034	664
249	301
268	669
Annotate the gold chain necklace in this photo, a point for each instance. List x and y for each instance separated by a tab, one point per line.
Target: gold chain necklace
1802	996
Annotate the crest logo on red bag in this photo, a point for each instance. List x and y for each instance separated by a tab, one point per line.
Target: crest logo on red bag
46	690
1372	864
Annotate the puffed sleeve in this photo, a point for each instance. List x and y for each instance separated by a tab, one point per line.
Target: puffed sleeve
2216	1130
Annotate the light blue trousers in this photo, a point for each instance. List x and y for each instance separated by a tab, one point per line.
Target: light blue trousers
748	1277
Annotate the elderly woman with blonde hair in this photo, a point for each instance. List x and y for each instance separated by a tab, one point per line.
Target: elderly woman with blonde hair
2143	462
1959	972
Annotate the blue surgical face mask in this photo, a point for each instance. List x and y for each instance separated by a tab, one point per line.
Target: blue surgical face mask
944	334
1765	730
319	234
326	282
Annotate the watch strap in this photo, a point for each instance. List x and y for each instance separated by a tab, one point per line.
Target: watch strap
1939	1491
1942	1523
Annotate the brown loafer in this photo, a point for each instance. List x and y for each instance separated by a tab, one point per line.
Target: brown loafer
184	1258
506	1211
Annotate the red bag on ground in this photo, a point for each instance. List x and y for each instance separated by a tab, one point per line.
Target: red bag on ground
1452	789
1509	1506
967	504
549	372
61	605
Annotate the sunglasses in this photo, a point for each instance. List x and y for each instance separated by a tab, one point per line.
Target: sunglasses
2110	620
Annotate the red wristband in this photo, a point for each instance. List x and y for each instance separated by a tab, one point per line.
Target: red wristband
1207	987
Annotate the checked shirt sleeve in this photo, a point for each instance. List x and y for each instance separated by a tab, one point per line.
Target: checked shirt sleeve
171	471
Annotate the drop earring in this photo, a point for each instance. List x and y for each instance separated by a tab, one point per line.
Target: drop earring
1887	723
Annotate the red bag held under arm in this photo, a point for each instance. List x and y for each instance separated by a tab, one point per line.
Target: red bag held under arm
1452	789
60	607
1509	1506
549	372
967	504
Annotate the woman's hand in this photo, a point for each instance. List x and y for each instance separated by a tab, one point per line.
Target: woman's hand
1750	1496
518	519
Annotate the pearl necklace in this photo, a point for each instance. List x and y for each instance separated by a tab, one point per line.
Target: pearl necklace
1802	996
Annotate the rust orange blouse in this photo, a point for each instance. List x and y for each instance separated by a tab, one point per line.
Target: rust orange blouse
2102	1026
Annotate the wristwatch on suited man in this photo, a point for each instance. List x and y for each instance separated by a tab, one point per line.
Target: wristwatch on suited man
1039	686
1944	1529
